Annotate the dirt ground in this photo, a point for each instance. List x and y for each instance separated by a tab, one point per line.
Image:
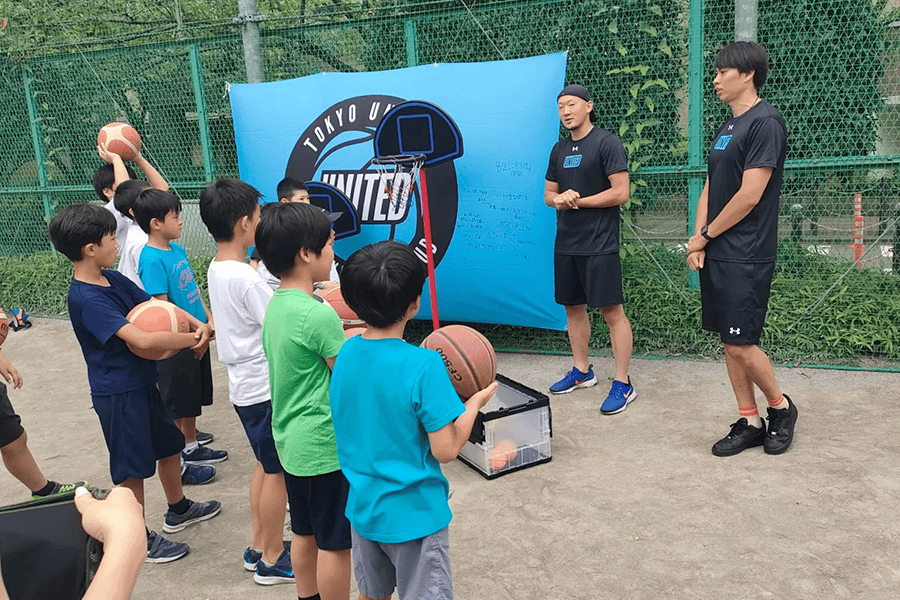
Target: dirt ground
632	506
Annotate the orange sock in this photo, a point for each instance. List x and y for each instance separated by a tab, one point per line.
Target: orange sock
751	413
779	404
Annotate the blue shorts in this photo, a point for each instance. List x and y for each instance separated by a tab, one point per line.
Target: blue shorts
317	508
139	431
257	422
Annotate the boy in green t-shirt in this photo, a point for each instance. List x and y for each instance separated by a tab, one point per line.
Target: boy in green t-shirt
301	338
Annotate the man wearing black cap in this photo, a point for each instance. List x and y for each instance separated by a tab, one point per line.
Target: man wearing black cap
587	181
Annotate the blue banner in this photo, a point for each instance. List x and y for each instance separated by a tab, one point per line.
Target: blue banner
492	234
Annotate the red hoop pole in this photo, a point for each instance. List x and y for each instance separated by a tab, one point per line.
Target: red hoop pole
426	221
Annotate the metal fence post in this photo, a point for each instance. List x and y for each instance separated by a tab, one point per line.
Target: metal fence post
249	19
695	118
745	19
209	167
412	45
38	145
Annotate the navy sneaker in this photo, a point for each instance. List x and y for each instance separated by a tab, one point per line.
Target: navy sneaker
199	511
204	438
781	428
251	557
197	474
161	550
204	455
574	379
280	572
620	396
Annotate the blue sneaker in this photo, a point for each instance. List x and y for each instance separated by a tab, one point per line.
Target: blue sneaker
204	438
251	557
161	550
280	572
620	396
204	455
574	379
197	474
199	511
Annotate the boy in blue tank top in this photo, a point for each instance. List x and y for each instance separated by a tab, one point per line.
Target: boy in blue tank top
396	417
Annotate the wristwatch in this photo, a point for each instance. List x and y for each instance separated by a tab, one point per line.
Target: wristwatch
704	233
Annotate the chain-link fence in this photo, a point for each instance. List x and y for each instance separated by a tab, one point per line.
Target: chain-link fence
834	75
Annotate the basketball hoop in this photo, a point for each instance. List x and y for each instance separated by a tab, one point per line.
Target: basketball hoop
399	173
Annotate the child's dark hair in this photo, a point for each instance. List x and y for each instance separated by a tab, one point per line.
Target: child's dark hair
745	57
380	281
154	204
78	225
127	193
286	228
105	177
223	203
289	186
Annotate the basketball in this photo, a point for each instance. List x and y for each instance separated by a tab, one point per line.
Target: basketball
335	299
349	333
156	315
502	454
468	356
121	139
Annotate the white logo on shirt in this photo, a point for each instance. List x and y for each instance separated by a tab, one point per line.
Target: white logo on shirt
730	127
734	331
574	148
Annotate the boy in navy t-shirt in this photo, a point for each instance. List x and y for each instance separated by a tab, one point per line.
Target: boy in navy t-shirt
138	429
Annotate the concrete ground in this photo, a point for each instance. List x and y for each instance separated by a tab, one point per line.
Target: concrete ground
632	506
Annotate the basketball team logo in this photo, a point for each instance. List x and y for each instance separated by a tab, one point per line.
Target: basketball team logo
340	152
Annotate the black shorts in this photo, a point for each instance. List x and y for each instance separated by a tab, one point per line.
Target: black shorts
257	422
317	508
735	298
185	383
10	424
593	280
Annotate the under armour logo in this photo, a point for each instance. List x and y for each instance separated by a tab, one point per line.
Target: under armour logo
730	127
734	331
574	148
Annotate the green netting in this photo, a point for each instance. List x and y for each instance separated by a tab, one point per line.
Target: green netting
834	75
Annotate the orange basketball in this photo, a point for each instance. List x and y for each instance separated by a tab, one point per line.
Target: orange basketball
121	139
350	332
502	454
156	315
468	356
335	299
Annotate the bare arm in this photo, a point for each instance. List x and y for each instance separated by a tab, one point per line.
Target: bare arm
753	184
120	173
616	195
551	191
9	372
697	258
156	340
153	177
447	441
330	362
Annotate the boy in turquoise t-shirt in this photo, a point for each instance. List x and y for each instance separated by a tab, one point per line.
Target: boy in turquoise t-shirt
396	416
301	338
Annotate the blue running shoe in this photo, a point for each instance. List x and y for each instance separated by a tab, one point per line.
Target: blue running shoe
574	379
197	474
280	572
204	455
161	550
620	396
199	511
251	557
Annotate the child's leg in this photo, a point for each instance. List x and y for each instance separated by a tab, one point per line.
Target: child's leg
256	539
333	574
304	555
137	488
188	427
170	477
272	500
21	464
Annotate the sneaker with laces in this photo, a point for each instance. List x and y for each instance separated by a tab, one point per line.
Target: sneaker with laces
204	455
204	438
251	557
780	433
574	379
198	511
197	474
60	489
161	550
280	572
620	396
741	437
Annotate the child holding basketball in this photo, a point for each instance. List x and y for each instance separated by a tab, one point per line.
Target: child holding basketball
139	431
385	393
301	338
185	380
238	299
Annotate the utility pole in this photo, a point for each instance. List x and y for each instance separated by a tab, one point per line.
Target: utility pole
249	19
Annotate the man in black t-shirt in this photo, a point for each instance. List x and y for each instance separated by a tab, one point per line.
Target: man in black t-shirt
586	182
735	241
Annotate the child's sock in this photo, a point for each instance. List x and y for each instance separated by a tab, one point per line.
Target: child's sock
191	446
180	507
751	413
316	597
47	489
779	404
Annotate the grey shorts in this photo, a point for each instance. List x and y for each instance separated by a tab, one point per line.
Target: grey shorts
419	569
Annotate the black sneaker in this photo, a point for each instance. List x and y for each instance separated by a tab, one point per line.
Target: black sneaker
741	437
781	428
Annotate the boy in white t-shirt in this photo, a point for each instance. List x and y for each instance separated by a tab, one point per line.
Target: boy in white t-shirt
136	238
238	298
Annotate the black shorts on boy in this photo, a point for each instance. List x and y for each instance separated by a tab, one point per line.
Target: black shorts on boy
185	383
10	423
318	504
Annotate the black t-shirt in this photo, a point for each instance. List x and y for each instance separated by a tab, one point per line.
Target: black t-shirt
585	166
757	138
